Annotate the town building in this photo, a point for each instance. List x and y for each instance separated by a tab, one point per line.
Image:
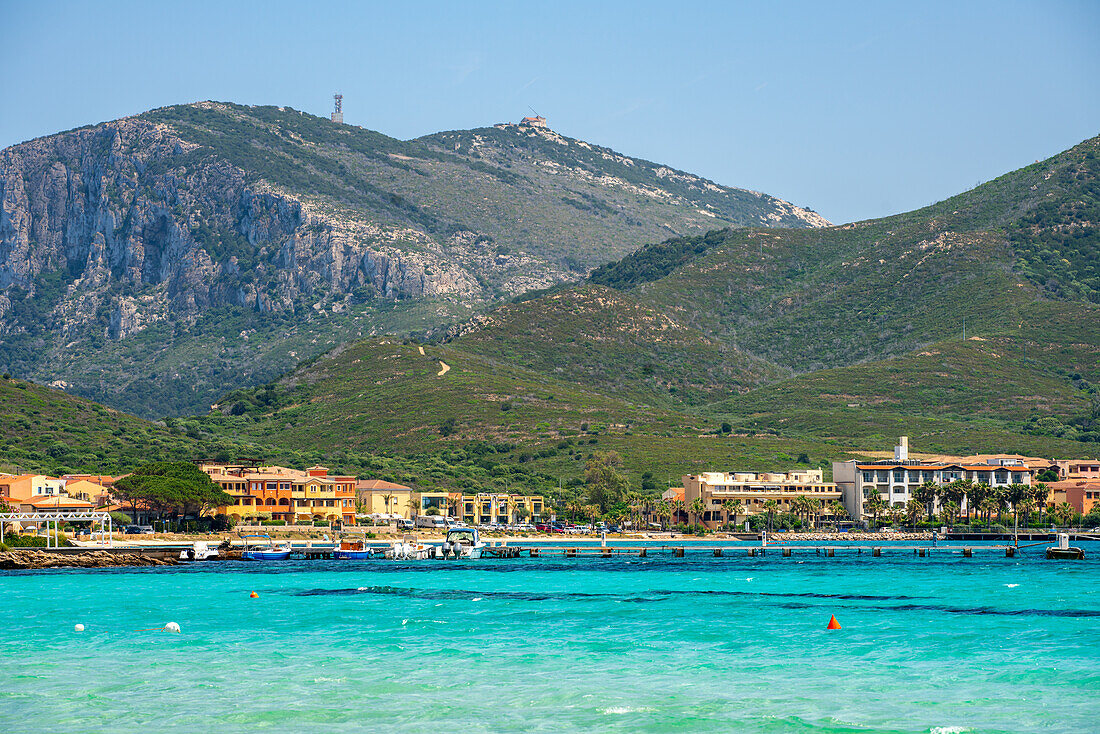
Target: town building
484	508
278	493
25	486
753	490
537	121
385	500
1081	493
896	480
1078	468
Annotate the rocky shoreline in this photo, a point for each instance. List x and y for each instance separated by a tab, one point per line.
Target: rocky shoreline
20	560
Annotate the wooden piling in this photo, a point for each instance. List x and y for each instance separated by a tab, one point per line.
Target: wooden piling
570	552
876	552
1010	552
605	552
786	552
830	552
921	552
678	552
717	552
968	553
641	553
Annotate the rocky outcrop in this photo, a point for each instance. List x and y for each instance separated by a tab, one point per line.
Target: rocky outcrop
23	560
142	226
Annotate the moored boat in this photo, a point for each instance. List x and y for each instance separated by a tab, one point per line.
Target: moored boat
270	552
355	550
463	543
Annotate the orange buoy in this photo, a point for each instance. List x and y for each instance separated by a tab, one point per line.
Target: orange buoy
833	624
254	595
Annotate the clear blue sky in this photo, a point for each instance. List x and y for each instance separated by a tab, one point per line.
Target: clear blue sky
854	109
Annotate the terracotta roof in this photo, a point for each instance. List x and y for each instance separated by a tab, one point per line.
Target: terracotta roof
379	484
48	500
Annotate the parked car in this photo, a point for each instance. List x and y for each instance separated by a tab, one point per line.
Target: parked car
138	530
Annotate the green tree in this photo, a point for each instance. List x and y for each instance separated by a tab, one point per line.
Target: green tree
914	509
605	482
732	507
771	507
697	508
874	504
171	487
926	494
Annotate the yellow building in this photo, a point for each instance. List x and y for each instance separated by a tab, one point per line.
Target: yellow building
753	490
384	499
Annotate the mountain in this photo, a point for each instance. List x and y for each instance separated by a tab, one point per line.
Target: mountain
753	347
157	261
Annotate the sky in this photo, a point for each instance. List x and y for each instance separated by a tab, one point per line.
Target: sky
856	110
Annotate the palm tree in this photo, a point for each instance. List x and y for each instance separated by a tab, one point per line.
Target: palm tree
697	508
677	508
1064	511
732	507
770	507
454	505
926	494
949	511
837	508
955	493
663	512
914	509
977	496
413	504
1040	494
874	504
1000	496
813	509
386	498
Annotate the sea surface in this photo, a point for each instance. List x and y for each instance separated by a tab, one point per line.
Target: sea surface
658	644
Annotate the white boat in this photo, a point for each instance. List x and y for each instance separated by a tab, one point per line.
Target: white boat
463	543
410	550
199	551
270	552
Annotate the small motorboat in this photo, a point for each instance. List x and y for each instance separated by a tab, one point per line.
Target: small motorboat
269	552
199	551
355	550
410	550
463	543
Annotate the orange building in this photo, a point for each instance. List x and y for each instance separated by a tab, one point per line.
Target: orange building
1083	494
280	493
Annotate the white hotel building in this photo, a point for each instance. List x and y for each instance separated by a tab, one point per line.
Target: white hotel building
896	480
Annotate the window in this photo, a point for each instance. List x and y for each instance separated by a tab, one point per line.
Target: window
899	475
868	476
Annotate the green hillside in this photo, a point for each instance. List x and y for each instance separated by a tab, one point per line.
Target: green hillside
869	316
46	430
619	345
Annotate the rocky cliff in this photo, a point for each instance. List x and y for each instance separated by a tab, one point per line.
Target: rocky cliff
174	223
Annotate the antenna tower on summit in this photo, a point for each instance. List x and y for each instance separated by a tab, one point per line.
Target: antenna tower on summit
338	113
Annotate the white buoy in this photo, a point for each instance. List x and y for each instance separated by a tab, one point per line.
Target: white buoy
172	627
79	628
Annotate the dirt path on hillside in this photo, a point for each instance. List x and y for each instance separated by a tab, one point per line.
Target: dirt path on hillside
444	368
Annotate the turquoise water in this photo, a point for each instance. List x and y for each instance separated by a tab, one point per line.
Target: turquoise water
946	644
